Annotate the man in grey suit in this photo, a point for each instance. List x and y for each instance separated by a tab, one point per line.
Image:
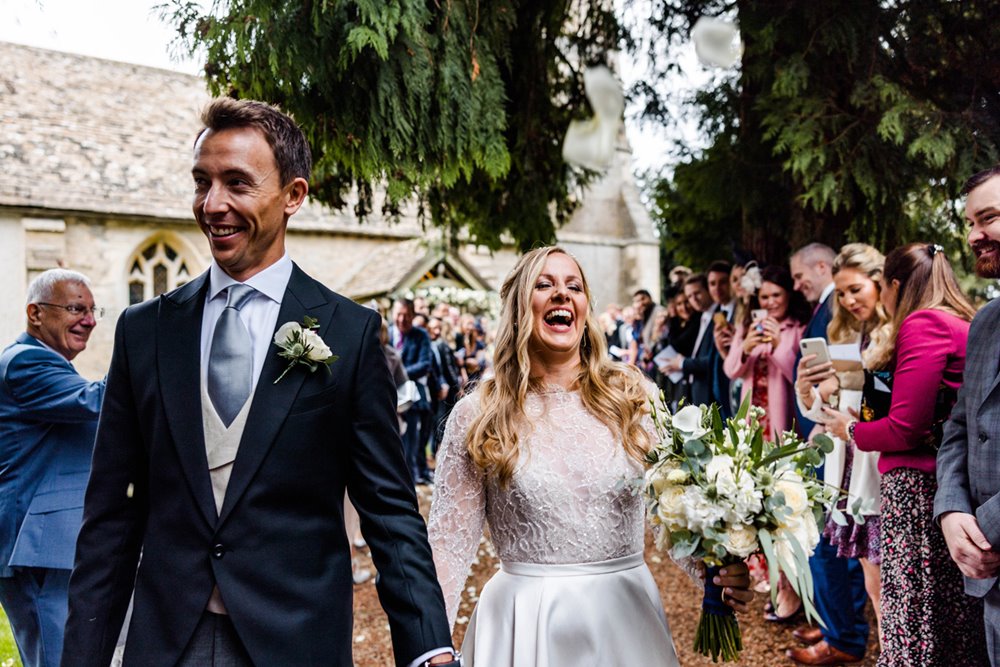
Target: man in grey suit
967	504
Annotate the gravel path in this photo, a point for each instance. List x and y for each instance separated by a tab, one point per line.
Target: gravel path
764	643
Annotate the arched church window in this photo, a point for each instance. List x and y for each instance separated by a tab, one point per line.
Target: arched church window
157	267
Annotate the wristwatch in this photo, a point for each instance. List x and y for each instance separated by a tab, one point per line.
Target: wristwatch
455	662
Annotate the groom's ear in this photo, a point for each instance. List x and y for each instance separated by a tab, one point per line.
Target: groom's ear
295	196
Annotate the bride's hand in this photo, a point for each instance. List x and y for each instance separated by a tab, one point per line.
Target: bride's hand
735	582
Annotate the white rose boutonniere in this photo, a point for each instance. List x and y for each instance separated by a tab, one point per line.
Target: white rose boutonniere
300	344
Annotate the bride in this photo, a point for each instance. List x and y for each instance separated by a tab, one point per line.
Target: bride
544	452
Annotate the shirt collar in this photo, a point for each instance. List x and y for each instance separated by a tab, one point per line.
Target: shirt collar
271	282
826	292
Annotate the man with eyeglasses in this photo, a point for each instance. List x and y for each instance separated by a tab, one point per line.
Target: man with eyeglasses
48	420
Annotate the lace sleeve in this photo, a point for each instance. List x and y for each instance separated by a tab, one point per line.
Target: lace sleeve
458	510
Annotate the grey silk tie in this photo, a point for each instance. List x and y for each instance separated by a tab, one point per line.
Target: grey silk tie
230	359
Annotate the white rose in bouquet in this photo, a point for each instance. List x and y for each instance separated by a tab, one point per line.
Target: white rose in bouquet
719	471
677	476
670	507
804	531
796	497
741	540
659	476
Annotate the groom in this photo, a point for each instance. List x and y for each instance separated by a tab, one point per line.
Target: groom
230	481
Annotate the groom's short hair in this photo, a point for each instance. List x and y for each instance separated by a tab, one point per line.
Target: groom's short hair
287	142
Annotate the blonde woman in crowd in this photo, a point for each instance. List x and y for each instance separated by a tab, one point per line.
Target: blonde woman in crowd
858	319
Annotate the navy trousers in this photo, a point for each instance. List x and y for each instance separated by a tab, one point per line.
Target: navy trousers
36	603
840	596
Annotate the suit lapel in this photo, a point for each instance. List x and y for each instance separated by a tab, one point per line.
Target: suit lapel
991	361
272	402
179	370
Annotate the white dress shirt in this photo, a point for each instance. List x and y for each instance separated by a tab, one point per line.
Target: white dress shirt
259	314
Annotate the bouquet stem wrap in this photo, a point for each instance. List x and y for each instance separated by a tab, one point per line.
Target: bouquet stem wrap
718	633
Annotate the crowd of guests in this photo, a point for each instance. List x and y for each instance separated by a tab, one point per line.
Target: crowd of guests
900	325
437	354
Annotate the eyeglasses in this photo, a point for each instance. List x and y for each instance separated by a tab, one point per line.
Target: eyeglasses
77	310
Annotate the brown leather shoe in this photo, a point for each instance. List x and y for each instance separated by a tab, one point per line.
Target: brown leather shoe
821	654
808	634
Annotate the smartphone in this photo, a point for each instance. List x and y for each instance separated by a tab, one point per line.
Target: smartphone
720	320
758	315
815	346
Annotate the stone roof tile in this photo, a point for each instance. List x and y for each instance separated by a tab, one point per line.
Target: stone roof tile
79	133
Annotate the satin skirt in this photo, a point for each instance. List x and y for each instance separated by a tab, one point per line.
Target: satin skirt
604	614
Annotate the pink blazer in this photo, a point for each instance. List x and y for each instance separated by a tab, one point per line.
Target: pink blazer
930	349
780	371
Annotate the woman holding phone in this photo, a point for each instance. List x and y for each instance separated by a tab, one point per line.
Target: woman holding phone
858	319
926	617
764	349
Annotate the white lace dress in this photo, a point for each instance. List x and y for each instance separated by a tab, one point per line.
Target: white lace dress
573	588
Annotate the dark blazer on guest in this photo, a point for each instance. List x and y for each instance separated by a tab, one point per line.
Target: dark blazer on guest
710	383
815	329
449	369
278	550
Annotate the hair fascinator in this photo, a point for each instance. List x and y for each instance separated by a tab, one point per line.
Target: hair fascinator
751	280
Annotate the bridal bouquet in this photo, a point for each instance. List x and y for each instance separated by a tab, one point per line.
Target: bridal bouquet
719	492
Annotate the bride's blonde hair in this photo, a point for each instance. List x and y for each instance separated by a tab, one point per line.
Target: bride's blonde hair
611	391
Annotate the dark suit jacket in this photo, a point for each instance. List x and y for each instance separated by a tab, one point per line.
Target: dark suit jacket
710	383
48	417
968	462
278	550
449	369
815	329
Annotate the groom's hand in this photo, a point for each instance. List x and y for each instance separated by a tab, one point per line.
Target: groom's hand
442	659
968	547
735	582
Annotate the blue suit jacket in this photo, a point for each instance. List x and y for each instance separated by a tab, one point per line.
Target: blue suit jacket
418	362
48	419
815	329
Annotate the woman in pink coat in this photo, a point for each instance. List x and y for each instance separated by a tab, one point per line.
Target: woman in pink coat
765	347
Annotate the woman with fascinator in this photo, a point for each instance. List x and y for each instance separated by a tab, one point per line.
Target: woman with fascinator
543	452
